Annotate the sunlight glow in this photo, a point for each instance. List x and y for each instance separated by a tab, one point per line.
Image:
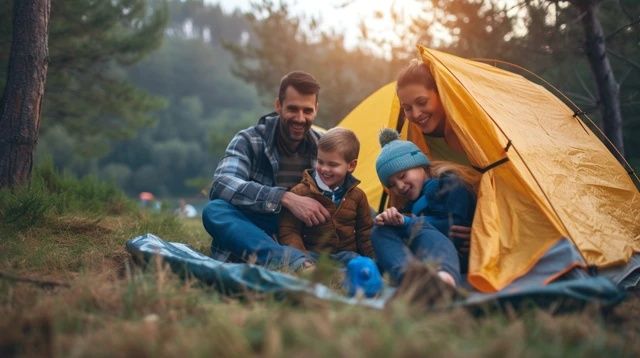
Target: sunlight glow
383	20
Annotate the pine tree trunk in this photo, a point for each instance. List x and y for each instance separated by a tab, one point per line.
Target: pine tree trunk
608	88
21	104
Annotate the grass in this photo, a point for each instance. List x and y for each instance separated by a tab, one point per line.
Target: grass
88	299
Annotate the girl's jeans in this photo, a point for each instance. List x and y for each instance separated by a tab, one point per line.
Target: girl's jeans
396	246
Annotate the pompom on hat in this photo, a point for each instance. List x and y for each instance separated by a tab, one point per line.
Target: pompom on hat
397	155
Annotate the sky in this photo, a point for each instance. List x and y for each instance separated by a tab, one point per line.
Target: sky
342	16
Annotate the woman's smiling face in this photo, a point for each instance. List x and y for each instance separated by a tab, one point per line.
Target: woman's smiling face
422	106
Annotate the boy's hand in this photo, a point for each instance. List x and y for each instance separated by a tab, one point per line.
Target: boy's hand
308	210
390	216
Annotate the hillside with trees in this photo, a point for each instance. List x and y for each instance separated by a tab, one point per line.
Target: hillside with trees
147	93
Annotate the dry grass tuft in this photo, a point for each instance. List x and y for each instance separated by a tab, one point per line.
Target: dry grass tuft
423	289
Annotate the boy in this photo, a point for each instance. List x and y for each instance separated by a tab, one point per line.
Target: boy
332	184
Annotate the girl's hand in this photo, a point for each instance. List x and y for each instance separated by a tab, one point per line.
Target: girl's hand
390	216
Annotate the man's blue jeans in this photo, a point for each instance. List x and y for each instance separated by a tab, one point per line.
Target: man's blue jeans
239	235
396	246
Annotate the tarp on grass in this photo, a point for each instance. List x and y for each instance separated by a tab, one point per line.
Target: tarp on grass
239	278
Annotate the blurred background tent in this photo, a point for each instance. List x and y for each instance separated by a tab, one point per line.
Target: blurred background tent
146	196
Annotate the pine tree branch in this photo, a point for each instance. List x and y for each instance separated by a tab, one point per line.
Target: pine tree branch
622	28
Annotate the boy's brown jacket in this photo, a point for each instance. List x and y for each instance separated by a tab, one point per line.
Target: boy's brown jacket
348	229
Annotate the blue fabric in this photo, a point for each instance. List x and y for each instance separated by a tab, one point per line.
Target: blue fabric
239	235
443	202
363	275
237	278
234	279
561	296
395	246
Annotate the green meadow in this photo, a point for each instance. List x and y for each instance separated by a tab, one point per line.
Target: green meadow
69	288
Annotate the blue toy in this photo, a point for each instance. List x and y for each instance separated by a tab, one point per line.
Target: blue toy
363	275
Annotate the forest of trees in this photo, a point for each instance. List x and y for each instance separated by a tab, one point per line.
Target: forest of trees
147	93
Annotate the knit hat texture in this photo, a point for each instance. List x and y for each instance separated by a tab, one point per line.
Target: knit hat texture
397	155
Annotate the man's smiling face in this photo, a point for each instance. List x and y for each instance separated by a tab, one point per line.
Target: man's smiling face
297	112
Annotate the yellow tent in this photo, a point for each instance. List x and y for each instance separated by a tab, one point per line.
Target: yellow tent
553	179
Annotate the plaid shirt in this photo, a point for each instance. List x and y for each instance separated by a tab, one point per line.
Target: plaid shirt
246	176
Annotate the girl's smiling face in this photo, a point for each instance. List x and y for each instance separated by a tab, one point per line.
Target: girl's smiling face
408	183
423	107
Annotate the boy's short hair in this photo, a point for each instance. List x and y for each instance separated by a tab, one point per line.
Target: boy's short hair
303	82
342	140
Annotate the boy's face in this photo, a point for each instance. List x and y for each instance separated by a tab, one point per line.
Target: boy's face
333	168
408	183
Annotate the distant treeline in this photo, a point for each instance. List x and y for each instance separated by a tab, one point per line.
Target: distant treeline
147	93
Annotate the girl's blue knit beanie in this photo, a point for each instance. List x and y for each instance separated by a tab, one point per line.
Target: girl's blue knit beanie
397	155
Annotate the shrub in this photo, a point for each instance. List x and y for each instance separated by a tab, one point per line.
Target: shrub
53	192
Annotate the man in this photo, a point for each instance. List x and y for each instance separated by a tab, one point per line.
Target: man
251	181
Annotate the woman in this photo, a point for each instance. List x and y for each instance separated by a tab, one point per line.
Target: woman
420	102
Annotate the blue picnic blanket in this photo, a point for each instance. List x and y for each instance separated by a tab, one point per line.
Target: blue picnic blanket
240	278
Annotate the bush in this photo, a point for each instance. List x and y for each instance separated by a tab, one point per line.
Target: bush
52	192
23	207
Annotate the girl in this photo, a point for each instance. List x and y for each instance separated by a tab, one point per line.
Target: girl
437	196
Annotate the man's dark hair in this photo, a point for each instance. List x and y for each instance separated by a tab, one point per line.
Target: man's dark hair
301	81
